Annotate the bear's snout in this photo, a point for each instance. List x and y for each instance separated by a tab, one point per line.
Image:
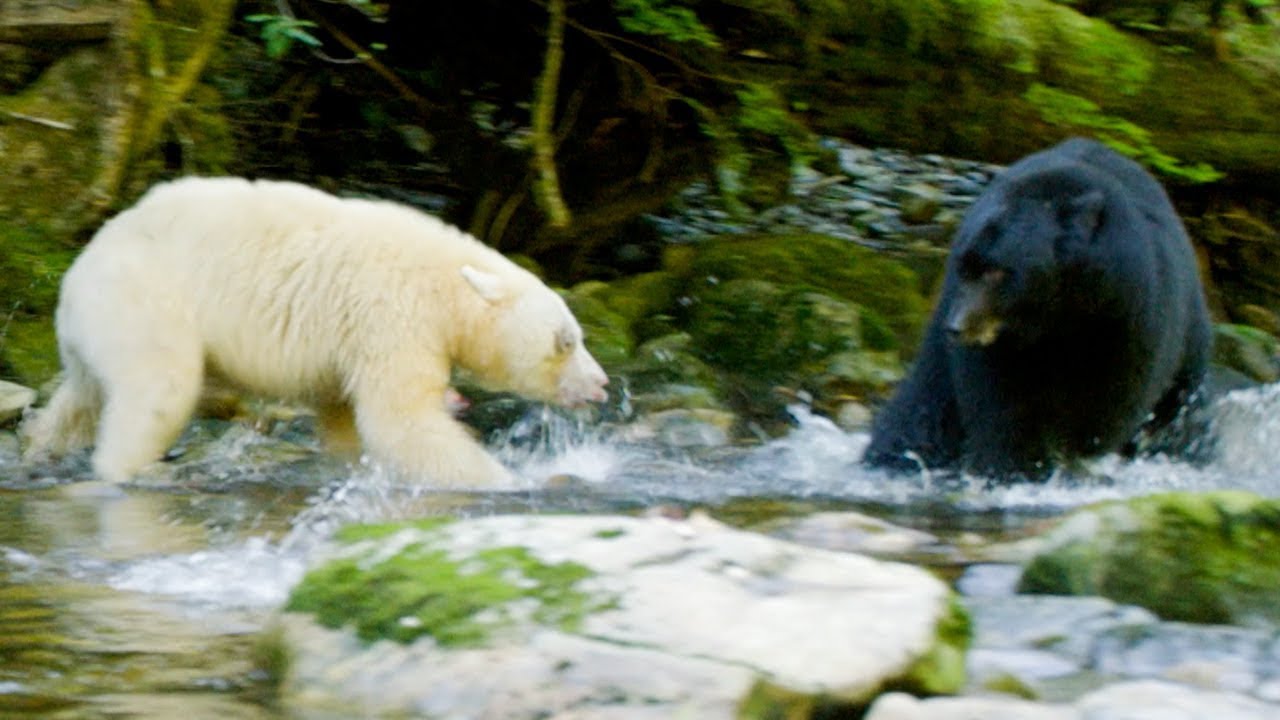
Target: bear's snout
583	380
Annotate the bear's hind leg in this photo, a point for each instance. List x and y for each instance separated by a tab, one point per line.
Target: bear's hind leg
67	422
150	396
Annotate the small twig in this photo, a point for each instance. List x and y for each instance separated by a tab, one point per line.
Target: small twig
55	124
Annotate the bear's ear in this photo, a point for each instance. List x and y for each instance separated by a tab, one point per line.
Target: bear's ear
488	285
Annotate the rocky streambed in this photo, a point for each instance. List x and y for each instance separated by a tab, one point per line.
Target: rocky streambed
705	546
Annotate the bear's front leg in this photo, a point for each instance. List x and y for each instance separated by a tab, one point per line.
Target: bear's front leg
411	433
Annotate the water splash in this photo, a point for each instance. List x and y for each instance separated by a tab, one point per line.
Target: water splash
567	464
255	573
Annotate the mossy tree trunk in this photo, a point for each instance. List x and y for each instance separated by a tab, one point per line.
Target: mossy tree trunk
547	185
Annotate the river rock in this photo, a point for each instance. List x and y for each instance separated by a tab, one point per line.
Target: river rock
918	203
1123	701
1198	557
854	532
602	616
14	399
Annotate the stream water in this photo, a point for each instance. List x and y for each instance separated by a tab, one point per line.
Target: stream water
146	605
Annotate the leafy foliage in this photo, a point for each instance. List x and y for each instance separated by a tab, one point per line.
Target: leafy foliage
280	32
1062	108
762	109
662	18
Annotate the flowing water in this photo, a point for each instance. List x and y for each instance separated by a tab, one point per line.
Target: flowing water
145	604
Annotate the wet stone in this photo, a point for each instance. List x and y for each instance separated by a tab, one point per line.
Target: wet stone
14	399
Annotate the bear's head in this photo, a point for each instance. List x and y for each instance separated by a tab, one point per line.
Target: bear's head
1019	256
533	344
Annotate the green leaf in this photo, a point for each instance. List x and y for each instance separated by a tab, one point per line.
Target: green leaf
280	32
1058	107
663	18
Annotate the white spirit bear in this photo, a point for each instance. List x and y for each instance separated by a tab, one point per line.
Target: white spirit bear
359	308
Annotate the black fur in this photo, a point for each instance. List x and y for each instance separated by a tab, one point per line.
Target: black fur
1071	319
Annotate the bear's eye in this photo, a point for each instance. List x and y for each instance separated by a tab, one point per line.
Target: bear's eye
993	276
565	342
972	266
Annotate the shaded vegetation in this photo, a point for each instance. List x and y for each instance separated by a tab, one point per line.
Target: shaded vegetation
548	128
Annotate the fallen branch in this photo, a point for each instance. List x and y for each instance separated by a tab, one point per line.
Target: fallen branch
46	122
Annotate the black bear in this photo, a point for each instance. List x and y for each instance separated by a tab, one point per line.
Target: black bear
1071	319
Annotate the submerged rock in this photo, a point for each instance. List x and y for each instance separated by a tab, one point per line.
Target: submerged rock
1125	701
526	616
1198	557
14	399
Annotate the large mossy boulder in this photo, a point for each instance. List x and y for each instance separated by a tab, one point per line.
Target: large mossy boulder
894	310
1196	557
778	315
750	323
532	616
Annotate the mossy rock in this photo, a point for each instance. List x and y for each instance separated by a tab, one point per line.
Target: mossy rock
1195	557
1248	350
640	296
894	308
606	333
28	349
759	328
553	612
667	374
421	590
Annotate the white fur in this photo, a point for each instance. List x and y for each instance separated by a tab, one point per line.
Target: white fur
361	308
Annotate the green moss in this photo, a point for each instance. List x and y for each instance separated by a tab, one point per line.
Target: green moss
767	701
640	296
610	534
830	265
941	669
28	350
270	655
378	531
771	333
607	334
771	315
51	184
1009	684
1023	36
1185	556
422	591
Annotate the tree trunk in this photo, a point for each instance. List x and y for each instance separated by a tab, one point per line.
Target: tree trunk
547	184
